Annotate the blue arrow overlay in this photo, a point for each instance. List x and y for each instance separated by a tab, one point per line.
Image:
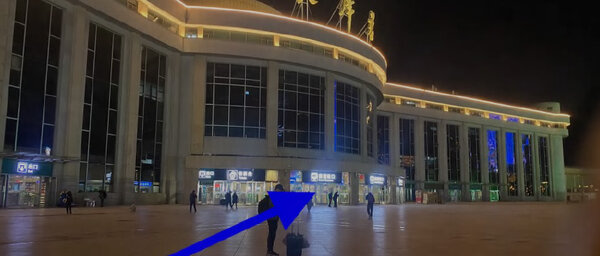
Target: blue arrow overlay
286	205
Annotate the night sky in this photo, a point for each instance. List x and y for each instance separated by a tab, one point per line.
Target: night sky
515	52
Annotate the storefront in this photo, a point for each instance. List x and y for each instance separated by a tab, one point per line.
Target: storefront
376	184
476	193
250	185
494	193
400	196
26	184
454	192
322	183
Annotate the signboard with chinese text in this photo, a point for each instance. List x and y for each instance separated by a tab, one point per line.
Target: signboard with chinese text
23	167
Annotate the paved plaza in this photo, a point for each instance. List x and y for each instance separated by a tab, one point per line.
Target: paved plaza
410	229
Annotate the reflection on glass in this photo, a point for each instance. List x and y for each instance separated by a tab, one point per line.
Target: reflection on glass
511	165
474	156
383	140
431	151
544	167
453	142
527	163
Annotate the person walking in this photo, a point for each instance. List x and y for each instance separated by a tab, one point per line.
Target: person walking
227	200
264	205
309	205
193	198
102	195
335	198
330	196
234	200
69	202
370	201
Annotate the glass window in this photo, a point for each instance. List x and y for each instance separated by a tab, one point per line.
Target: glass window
236	100
407	147
33	77
527	151
100	110
492	140
511	164
383	140
346	120
301	111
150	121
370	121
544	166
453	153
431	151
474	156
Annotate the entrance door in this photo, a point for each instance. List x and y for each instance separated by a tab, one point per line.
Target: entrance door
23	191
2	189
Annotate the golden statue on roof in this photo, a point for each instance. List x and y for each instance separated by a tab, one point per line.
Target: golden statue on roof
301	8
368	30
344	9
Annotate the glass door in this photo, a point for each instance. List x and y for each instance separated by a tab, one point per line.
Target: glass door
23	191
2	190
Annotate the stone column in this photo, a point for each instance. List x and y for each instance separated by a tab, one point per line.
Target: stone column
329	114
485	163
395	142
443	158
391	186
128	117
191	120
502	164
520	167
353	188
171	126
70	97
419	153
536	166
465	175
557	160
7	17
363	124
272	107
283	178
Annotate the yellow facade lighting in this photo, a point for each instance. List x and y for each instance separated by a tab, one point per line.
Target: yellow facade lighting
478	100
284	18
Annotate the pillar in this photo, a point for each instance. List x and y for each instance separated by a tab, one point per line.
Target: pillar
171	126
363	124
7	17
557	160
419	153
329	113
128	117
354	186
272	108
536	166
485	176
520	167
69	115
443	159
283	178
502	164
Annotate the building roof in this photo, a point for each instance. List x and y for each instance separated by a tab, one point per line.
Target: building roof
252	5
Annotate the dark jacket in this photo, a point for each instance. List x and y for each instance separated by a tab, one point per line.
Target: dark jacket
69	198
330	195
228	197
193	197
264	205
370	198
335	196
234	198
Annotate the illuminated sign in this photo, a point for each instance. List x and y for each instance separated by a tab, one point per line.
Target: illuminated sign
400	182
206	175
295	176
25	167
239	175
143	183
376	180
323	177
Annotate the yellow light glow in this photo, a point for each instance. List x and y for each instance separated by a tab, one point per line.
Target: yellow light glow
276	40
143	10
478	100
423	104
285	18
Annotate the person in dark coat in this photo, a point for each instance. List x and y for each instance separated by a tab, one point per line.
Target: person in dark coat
335	198
370	201
264	205
193	198
234	200
227	200
330	196
309	205
69	202
102	195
